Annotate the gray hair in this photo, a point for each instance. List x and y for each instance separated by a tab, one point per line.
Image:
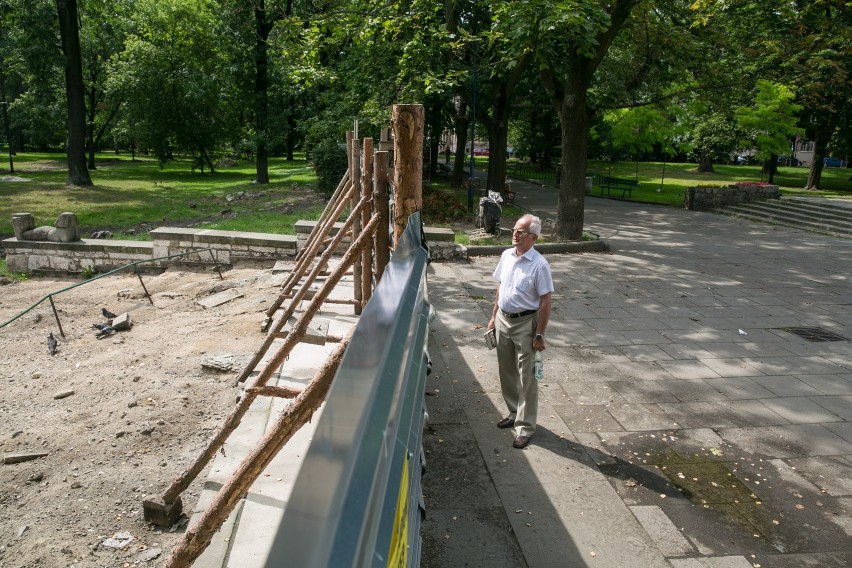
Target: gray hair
535	224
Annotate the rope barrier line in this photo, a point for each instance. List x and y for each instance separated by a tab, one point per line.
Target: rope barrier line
133	265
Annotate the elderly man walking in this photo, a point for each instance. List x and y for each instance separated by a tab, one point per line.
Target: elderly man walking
521	311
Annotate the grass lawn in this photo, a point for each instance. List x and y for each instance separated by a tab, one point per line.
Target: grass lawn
129	193
139	194
835	182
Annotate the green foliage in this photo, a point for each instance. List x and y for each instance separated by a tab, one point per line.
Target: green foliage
174	80
639	129
443	206
715	135
771	121
330	163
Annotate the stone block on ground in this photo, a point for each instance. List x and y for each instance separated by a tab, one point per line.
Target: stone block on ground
316	333
19	457
122	322
158	512
220	298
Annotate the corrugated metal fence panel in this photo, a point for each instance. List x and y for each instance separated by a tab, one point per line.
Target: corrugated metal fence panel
347	497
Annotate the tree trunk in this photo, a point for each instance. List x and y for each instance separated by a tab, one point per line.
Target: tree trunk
771	167
78	173
261	107
569	97
498	135
90	119
821	139
291	130
434	129
497	157
705	163
462	121
498	122
574	121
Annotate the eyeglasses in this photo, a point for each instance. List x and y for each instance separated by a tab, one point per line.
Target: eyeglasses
520	232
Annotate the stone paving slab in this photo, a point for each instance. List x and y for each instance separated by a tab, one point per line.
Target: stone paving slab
664	533
672	360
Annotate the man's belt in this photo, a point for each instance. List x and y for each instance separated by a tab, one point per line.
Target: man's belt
519	314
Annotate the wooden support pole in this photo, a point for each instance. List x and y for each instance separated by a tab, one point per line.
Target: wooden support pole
381	163
355	169
320	233
341	187
366	213
198	536
407	122
279	392
299	329
303	290
312	248
279	323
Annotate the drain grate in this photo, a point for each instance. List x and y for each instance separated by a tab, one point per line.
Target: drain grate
814	334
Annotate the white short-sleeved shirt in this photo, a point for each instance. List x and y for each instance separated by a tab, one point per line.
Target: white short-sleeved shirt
523	280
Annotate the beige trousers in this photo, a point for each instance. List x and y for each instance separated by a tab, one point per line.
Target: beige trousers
516	361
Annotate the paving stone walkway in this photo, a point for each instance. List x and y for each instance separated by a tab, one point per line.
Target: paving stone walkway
682	424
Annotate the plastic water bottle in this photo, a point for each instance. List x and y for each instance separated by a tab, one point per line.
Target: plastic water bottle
539	366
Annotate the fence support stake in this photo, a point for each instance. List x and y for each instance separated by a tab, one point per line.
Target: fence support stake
355	168
180	483
147	295
407	125
366	213
382	207
216	266
56	315
198	536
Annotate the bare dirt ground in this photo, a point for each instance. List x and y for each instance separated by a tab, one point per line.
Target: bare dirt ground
142	407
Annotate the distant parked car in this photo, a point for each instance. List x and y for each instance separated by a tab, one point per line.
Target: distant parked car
834	163
789	161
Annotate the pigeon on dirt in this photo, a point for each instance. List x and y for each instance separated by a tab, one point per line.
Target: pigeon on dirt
101	326
104	332
108	314
51	344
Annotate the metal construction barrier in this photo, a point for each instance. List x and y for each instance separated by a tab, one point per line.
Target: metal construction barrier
357	500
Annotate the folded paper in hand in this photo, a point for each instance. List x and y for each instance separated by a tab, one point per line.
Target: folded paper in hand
490	339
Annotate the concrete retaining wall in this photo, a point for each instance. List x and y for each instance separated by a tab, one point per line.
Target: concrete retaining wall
102	255
709	198
226	248
229	247
87	254
304	228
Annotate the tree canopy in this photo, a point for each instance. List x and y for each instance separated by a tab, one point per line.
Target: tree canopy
250	78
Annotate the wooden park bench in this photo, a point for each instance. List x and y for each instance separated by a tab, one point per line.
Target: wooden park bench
611	183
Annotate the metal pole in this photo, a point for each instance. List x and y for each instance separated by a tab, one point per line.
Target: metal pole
472	138
147	294
56	315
